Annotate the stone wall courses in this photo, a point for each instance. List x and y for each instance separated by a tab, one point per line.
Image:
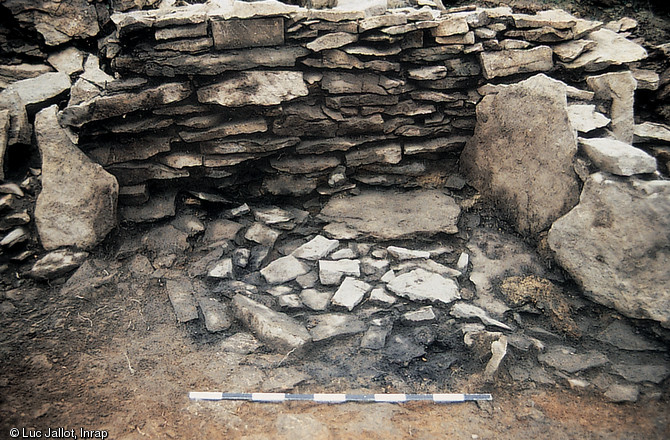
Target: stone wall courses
293	93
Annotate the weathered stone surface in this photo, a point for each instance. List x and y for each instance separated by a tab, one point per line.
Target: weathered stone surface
20	129
56	263
40	89
304	164
556	18
617	157
617	263
316	249
642	373
331	272
651	132
225	129
317	300
261	234
160	205
333	325
622	393
108	106
16	72
5	123
375	337
510	62
288	185
350	293
584	118
390	153
279	331
69	60
392	215
381	296
511	144
406	254
401	349
420	315
626	337
180	292
77	204
254	88
216	313
434	145
221	229
165	240
570	50
238	34
610	49
284	269
565	359
421	285
58	22
619	88
331	41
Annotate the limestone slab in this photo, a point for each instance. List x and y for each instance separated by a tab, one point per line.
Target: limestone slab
421	285
350	293
284	269
617	157
510	62
316	249
254	88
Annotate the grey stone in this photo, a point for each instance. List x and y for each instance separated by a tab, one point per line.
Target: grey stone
77	204
261	234
290	301
499	165
331	272
390	153
316	249
140	266
56	263
16	236
419	315
284	269
584	117
107	106
69	60
35	91
257	32
241	343
375	337
20	129
400	253
222	270
233	128
189	31
331	41
301	427
334	325
646	79
166	240
624	336
279	331
216	313
462	263
622	393
466	310
188	223
371	266
402	349
638	373
619	88
565	359
5	123
16	72
601	244
610	49
436	145
159	206
304	164
350	293
617	157
272	215
258	257
421	285
379	295
241	257
221	229
651	132
279	290
289	185
343	253
389	215
183	302
254	88
317	300
510	62
570	50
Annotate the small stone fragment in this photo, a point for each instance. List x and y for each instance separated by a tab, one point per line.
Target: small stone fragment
182	299
284	269
420	315
350	293
421	285
316	249
317	300
622	393
406	254
262	235
333	325
331	272
617	157
57	263
222	270
379	295
216	313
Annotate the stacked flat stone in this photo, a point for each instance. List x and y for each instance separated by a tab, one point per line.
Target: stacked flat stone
309	100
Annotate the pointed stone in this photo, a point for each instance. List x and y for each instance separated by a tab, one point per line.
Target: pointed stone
77	204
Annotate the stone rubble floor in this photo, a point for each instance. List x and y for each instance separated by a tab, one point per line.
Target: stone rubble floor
259	298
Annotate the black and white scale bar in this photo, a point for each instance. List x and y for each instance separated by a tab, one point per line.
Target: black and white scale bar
339	398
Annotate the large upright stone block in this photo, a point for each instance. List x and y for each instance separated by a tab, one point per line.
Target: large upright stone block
619	89
517	161
616	245
77	204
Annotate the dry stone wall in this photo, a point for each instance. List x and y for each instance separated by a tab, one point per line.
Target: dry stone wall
283	100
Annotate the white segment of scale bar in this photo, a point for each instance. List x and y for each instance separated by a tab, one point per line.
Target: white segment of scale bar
330	398
444	398
205	395
268	397
391	398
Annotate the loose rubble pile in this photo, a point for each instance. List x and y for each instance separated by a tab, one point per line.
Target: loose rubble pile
357	112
